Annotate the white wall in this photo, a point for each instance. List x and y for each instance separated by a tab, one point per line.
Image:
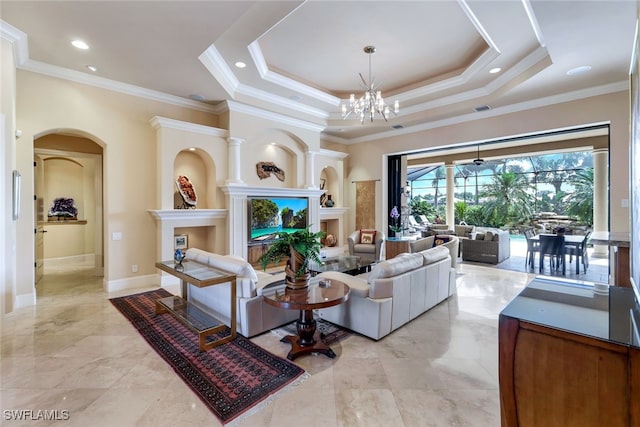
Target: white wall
120	124
8	227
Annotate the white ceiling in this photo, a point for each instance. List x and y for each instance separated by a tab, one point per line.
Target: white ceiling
303	57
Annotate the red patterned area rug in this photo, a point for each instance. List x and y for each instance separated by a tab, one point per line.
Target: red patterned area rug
230	379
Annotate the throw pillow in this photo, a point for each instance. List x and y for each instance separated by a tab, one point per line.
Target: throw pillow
441	239
488	235
479	236
367	236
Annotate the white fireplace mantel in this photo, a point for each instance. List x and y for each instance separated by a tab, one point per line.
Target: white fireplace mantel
245	190
187	214
169	219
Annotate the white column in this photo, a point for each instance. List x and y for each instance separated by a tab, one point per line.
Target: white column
234	161
600	197
238	225
311	173
450	215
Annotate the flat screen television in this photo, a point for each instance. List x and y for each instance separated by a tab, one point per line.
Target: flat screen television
269	215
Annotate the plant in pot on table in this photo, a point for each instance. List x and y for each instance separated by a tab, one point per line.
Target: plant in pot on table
395	225
301	246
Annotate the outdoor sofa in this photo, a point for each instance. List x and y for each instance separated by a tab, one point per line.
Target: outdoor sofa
490	245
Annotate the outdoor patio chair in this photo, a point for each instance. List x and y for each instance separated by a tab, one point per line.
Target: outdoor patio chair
580	252
424	220
415	224
532	247
553	247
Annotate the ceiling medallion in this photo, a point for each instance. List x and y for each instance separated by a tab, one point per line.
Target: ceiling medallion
371	102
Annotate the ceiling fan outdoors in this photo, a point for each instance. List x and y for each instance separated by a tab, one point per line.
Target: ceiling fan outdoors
478	161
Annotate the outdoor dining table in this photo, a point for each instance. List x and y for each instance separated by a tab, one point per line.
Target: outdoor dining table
573	240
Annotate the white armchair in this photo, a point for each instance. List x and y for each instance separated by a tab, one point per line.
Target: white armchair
367	251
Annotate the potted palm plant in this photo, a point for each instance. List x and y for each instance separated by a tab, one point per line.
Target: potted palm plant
301	247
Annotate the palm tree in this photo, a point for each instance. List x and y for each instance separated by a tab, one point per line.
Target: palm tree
557	169
440	174
580	201
507	199
460	209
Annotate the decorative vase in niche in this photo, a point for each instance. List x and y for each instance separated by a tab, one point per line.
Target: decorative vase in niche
330	240
329	202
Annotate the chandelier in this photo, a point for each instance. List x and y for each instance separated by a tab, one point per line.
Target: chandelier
371	102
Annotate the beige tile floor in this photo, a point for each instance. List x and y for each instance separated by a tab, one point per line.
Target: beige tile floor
73	351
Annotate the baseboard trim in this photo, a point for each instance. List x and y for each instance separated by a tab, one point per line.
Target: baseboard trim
25	300
147	281
85	258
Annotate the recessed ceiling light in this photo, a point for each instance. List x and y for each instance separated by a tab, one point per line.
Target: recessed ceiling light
495	70
240	64
80	44
273	143
92	68
192	149
579	70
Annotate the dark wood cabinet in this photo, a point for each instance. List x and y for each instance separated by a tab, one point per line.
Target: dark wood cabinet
254	252
555	376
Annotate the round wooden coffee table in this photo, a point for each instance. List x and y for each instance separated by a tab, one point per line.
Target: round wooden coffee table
319	294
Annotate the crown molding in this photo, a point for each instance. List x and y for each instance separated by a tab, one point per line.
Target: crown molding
20	43
275	117
18	39
162	122
534	22
216	65
478	26
333	154
281	101
286	82
513	108
527	62
112	85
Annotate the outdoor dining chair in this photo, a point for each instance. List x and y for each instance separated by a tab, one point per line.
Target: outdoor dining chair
553	247
532	247
580	252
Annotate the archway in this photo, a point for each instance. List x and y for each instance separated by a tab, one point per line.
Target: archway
68	172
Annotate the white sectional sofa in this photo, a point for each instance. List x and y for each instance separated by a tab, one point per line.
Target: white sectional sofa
253	315
394	292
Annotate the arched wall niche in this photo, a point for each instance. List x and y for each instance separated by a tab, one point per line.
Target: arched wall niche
332	184
281	147
64	178
201	170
